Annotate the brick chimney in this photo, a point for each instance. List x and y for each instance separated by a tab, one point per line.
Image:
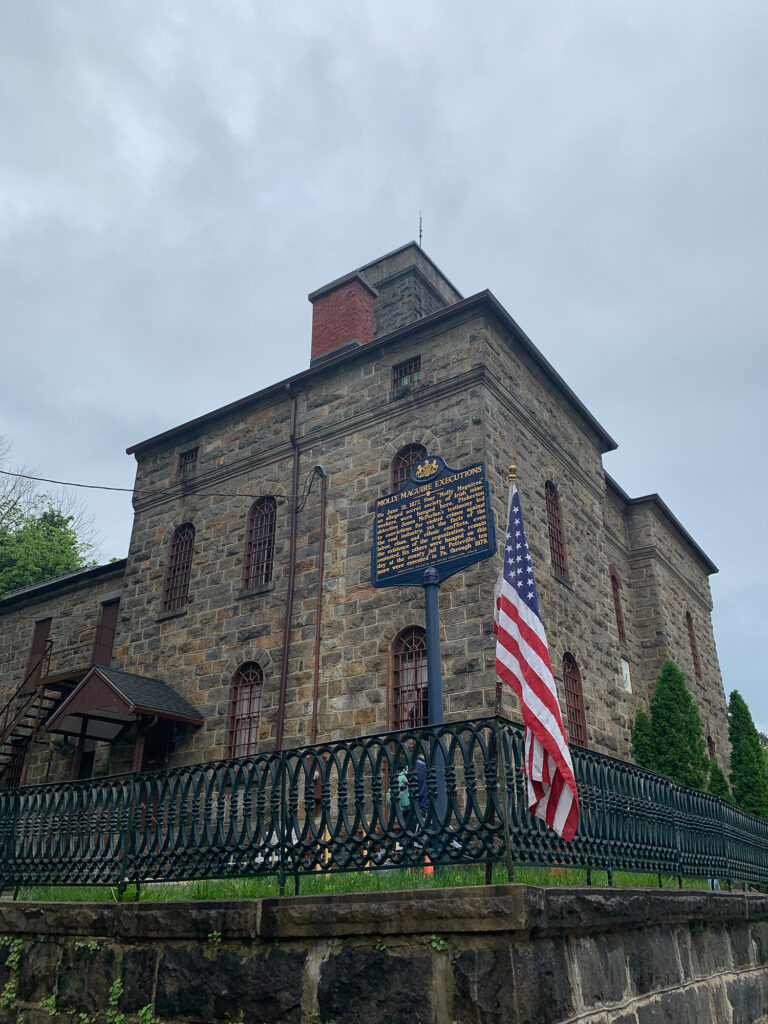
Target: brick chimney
342	315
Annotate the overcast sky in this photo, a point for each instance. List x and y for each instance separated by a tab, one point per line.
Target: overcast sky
176	177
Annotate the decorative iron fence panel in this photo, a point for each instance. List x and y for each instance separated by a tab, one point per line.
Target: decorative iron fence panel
384	801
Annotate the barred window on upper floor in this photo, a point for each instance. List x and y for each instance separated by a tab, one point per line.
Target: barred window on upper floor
407	373
245	710
187	461
556	532
404	461
178	569
616	588
410	692
260	543
692	642
574	701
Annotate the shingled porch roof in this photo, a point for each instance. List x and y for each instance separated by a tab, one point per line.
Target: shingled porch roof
108	699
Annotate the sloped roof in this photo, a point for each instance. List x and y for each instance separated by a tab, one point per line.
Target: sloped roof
108	699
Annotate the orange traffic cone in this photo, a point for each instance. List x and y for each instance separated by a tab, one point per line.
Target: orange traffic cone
429	868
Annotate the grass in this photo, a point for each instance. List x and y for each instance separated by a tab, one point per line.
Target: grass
365	881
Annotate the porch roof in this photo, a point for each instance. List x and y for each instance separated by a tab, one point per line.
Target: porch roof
107	699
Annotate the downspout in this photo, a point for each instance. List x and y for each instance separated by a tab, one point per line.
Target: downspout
281	699
319	612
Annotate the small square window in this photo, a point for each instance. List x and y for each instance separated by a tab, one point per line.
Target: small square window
626	682
187	461
404	375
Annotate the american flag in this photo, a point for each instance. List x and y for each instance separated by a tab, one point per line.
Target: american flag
522	661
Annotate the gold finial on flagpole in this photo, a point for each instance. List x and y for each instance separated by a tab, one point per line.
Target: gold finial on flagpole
512	473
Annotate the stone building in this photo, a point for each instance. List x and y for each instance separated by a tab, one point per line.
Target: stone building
260	514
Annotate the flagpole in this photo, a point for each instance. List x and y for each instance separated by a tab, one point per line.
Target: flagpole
501	760
511	476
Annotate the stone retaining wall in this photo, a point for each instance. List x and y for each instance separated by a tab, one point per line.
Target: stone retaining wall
482	955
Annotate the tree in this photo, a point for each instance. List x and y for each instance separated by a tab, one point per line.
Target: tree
749	777
641	740
764	747
671	742
41	534
718	784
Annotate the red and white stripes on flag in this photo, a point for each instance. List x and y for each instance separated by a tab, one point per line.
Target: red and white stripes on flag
522	661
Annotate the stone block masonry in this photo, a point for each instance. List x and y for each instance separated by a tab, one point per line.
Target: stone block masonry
325	642
507	954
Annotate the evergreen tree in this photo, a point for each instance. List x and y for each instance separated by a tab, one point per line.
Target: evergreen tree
641	740
749	777
718	784
671	741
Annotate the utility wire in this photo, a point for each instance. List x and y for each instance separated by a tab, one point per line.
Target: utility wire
159	491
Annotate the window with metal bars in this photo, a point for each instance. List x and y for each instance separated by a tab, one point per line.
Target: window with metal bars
411	706
692	642
243	733
407	373
574	701
178	569
616	588
556	532
260	543
403	462
187	461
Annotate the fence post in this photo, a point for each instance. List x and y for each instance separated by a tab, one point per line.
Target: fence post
501	776
607	821
8	826
127	836
281	872
676	793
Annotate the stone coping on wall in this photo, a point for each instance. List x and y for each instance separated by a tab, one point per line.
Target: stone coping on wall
527	910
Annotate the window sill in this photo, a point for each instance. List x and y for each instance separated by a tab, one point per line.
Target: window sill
263	588
395	394
171	615
563	579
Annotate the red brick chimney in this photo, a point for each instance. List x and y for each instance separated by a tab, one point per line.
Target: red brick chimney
342	313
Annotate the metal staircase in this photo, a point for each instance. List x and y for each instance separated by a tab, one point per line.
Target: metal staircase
22	717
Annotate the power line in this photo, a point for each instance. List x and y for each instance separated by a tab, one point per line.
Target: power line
160	491
65	483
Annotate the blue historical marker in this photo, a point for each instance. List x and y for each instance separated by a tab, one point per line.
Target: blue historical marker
439	523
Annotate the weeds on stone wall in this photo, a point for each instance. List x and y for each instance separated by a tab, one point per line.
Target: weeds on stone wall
12	961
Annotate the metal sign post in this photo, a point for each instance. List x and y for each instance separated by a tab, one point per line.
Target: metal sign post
439	523
434	661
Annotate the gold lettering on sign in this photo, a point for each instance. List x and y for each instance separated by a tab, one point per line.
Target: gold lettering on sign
431	523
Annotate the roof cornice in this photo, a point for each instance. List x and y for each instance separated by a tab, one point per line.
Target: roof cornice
658	502
484	301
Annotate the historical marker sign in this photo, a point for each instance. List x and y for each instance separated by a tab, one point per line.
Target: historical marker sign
442	518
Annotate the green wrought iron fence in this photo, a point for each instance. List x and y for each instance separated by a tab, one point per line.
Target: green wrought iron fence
339	807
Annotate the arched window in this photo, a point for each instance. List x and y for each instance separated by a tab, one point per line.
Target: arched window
411	707
403	461
556	533
243	733
711	748
178	568
616	588
260	543
692	642
574	701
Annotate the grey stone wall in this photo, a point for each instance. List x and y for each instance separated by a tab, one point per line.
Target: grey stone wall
483	395
480	955
74	607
